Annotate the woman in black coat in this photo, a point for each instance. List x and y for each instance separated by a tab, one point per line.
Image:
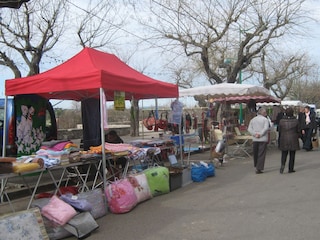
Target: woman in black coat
289	130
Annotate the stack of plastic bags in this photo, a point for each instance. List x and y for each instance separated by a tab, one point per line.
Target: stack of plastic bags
124	194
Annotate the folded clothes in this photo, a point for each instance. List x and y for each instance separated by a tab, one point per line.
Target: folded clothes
49	162
52	143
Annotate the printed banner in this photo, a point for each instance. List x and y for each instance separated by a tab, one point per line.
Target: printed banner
119	100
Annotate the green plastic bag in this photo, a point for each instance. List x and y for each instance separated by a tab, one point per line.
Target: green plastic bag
158	180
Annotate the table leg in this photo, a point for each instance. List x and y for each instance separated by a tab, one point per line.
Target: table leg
35	189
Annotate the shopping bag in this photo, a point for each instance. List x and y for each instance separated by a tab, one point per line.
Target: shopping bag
198	173
121	196
315	143
141	187
158	180
97	200
209	169
54	230
81	225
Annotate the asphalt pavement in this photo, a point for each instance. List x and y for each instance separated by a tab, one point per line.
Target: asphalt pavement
235	204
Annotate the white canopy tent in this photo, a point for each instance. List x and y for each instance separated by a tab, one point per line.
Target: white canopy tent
291	103
225	90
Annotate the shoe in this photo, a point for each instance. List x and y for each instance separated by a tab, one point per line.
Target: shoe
259	172
281	169
291	171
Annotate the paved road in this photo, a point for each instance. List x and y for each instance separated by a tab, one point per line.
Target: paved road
236	204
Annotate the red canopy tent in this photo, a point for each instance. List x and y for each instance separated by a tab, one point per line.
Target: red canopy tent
87	75
84	74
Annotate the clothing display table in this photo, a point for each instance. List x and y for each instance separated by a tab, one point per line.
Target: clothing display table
56	174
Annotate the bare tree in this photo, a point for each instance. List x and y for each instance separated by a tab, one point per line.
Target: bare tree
98	23
306	89
223	37
28	33
279	71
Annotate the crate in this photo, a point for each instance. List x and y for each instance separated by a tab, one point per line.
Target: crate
175	181
186	177
176	140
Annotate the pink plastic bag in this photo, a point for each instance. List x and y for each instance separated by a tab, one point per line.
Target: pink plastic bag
121	196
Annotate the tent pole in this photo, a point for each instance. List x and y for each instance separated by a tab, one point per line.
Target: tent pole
4	137
180	141
104	165
142	126
156	116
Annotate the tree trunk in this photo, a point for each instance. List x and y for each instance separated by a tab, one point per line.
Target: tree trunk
134	119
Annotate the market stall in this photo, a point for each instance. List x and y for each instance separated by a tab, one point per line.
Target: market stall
91	76
230	93
227	94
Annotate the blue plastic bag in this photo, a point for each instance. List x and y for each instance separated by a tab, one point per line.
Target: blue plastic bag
198	173
210	170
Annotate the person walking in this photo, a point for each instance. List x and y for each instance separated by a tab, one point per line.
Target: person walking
307	123
280	115
301	120
258	128
289	130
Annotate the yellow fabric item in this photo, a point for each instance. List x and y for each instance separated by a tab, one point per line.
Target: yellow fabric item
25	167
70	145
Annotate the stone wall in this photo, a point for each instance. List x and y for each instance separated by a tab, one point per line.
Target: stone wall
75	133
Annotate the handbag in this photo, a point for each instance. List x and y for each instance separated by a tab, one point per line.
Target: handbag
81	225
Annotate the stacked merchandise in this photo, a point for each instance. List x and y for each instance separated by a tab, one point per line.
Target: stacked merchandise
124	194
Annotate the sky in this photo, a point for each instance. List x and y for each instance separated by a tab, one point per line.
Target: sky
309	44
